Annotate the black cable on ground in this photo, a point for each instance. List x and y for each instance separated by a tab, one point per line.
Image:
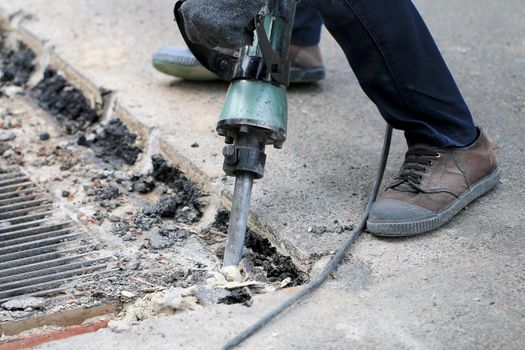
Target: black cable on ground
333	264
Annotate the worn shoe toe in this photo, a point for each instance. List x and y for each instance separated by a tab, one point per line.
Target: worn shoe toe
389	214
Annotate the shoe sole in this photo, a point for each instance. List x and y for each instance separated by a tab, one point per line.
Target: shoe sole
188	68
306	75
411	228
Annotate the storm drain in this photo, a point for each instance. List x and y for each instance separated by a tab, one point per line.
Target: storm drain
40	253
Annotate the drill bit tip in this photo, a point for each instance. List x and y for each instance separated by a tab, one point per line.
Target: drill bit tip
238	219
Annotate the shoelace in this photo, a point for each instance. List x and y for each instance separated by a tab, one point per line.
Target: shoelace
416	163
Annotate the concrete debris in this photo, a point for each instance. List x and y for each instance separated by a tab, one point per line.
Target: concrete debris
134	264
232	273
185	205
144	184
7	136
23	303
127	294
216	280
162	303
12	91
118	326
121	176
114	218
157	242
127	237
166	237
286	282
44	136
335	228
250	284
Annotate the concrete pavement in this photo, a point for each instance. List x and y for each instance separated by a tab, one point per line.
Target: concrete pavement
461	286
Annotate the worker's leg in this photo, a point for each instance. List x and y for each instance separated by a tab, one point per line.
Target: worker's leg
449	162
307	26
305	54
400	68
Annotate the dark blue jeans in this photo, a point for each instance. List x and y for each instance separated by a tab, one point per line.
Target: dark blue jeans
307	26
398	65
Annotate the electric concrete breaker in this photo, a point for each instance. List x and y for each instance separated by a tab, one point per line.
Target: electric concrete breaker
255	111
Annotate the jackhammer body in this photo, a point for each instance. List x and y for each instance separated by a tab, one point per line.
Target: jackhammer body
255	111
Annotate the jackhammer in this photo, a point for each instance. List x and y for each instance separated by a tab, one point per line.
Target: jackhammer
254	115
255	111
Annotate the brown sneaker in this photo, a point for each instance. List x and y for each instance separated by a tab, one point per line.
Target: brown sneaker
306	64
432	186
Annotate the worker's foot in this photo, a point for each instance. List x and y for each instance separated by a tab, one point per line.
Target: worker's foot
306	64
178	61
432	186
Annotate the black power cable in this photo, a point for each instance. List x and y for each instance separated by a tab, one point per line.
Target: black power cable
333	264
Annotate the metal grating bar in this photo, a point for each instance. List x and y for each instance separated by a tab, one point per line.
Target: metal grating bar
30	256
38	237
10	175
11	258
5	294
31	231
67	284
21	198
23	212
36	244
17	193
49	272
25	218
13	180
42	264
22	205
17	187
8	287
25	224
39	254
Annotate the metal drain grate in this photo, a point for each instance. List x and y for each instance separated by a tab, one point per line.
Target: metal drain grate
40	254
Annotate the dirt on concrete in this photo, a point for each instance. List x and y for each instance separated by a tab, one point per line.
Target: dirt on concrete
67	103
116	144
16	63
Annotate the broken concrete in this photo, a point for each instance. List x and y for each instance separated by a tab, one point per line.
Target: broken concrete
143	209
22	303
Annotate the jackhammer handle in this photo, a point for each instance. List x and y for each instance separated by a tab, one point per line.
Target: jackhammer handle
214	60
